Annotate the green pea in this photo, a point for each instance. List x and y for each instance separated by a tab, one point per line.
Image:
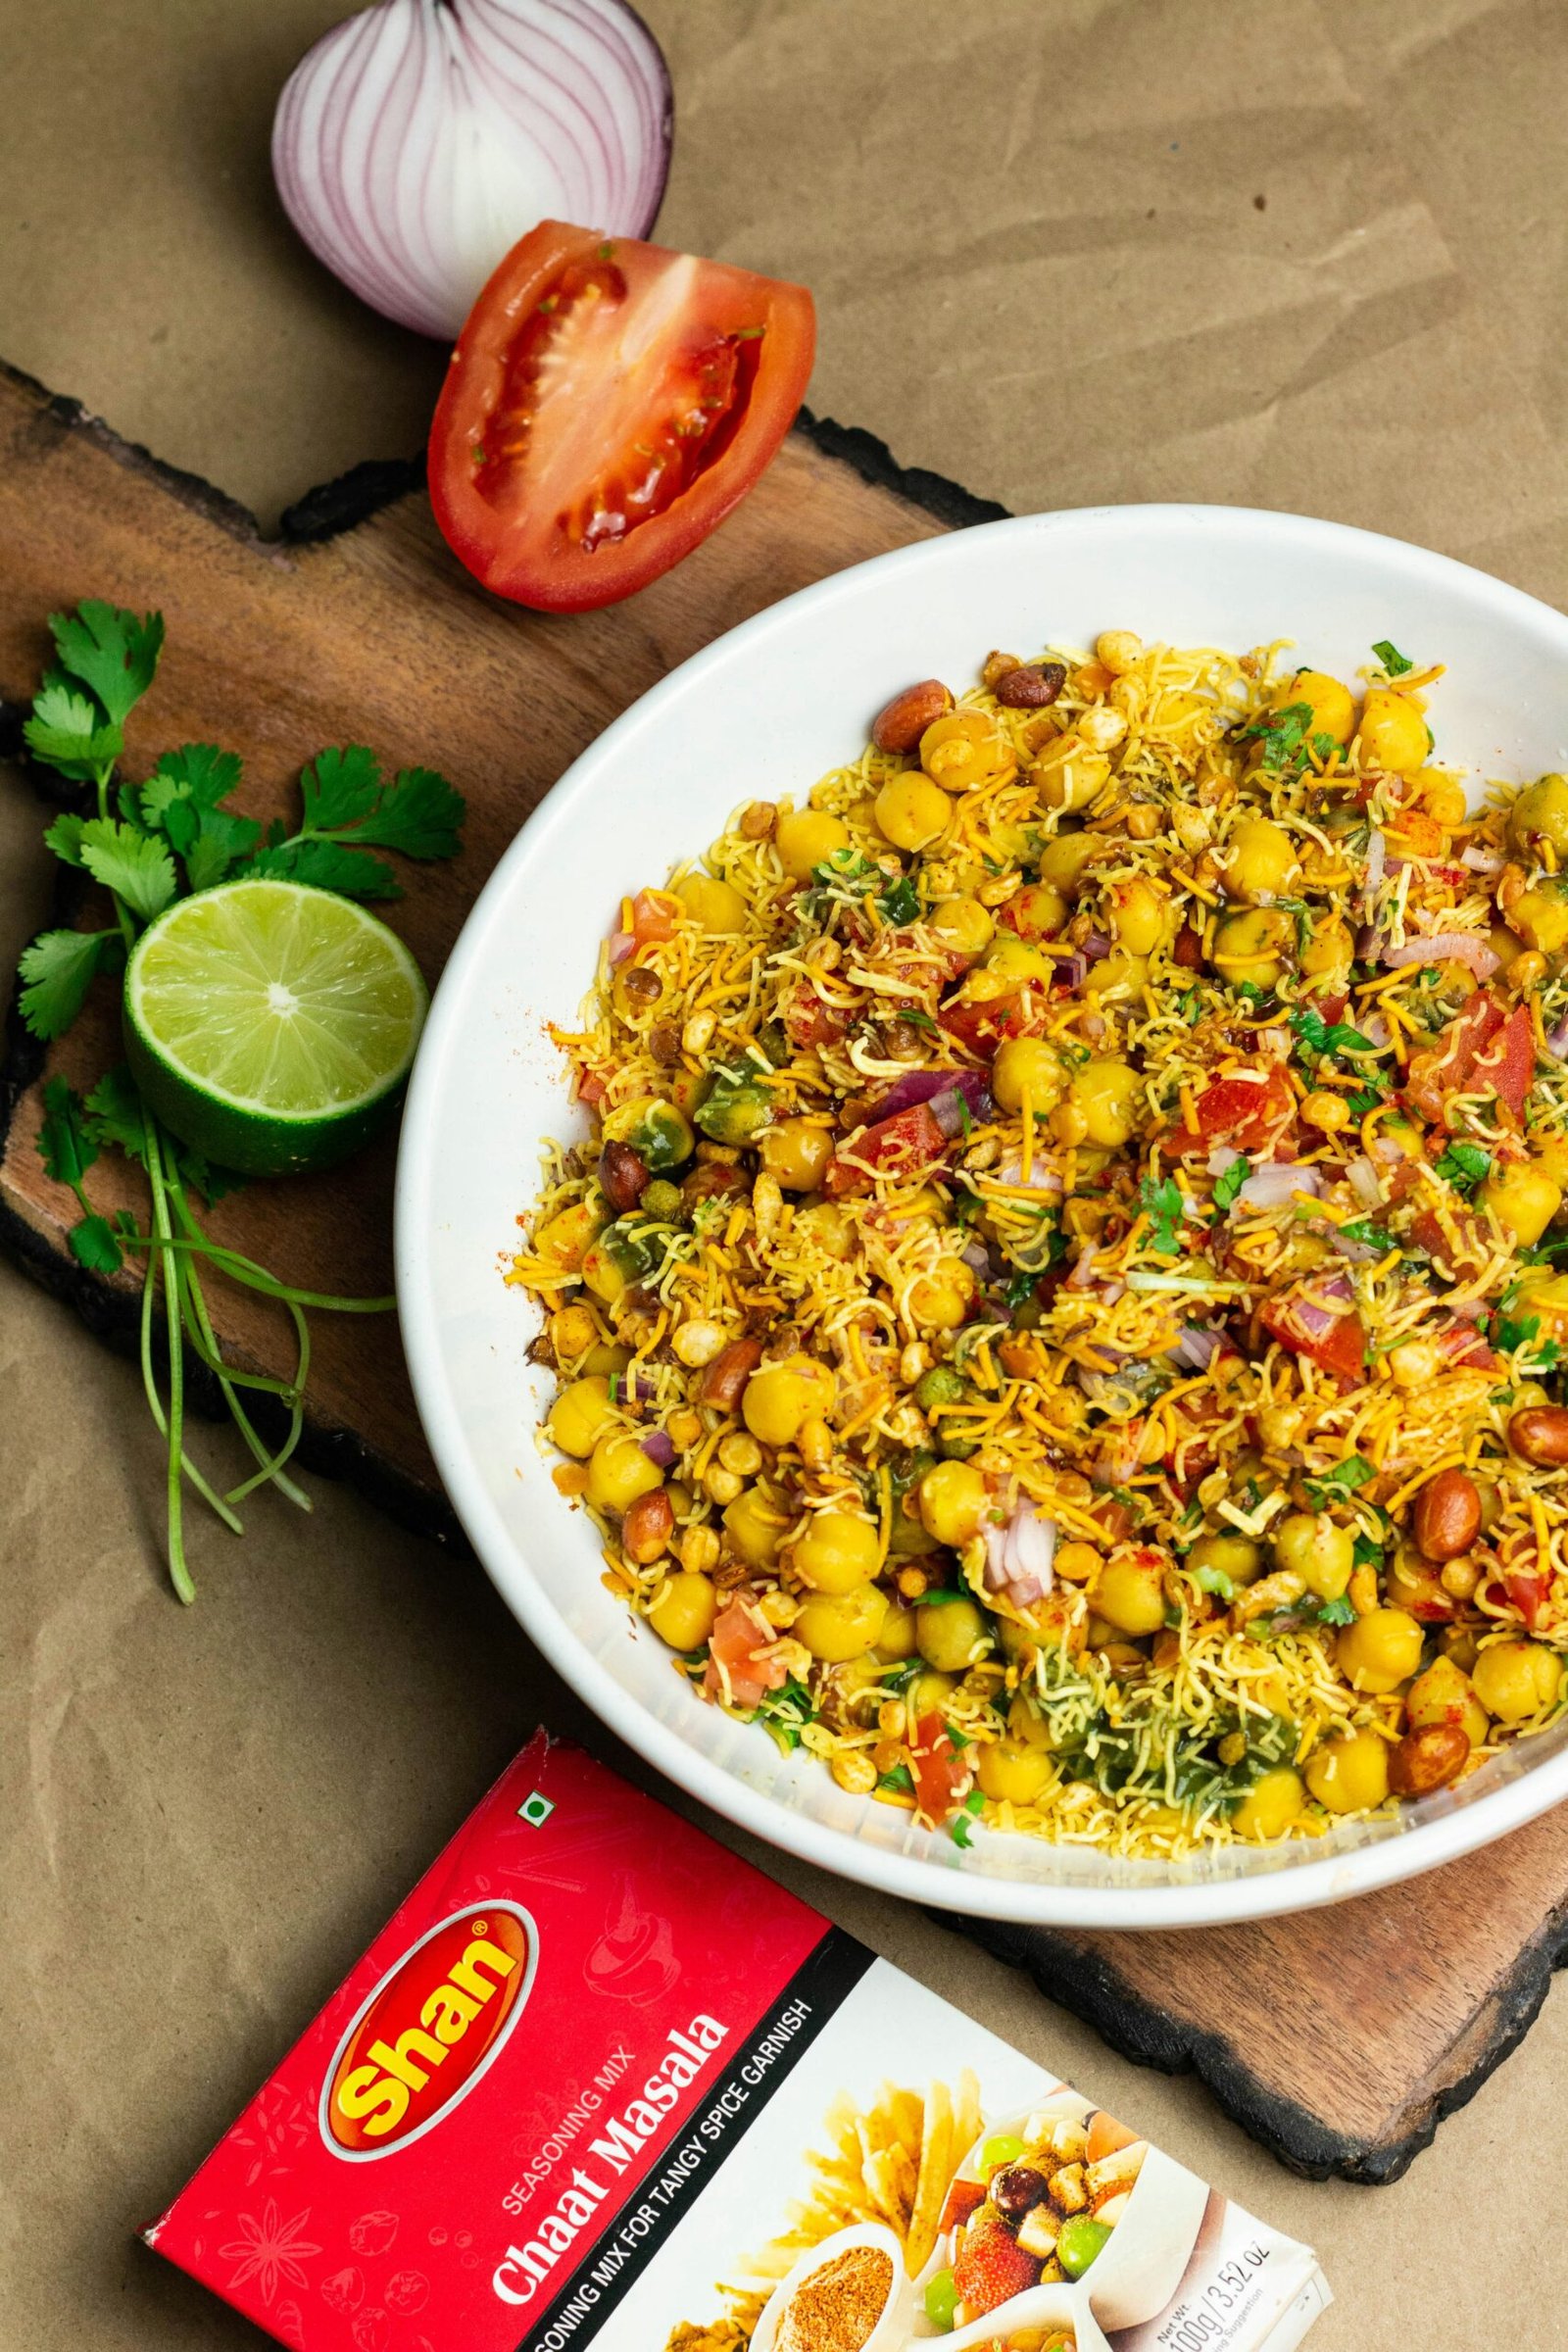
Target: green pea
662	1200
662	1138
942	2300
1004	2147
1080	2241
940	1386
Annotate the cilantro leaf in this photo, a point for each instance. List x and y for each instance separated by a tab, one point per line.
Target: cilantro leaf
1366	1553
198	773
1328	1040
1336	1612
1464	1165
1365	1099
134	865
115	1115
1509	1332
1282	736
421	815
329	866
1227	1186
56	973
65	731
93	1245
898	1778
64	837
109	651
1166	1209
220	839
1372	1237
1342	1481
1394	664
339	787
963	1819
64	1145
1019	1287
901	903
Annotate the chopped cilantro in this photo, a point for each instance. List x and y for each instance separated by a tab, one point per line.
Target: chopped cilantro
900	902
1336	1612
1282	736
1019	1287
1333	1486
897	1777
1371	1237
1166	1207
1509	1332
785	1713
1229	1185
1367	1553
963	1820
1464	1165
1395	663
1326	1040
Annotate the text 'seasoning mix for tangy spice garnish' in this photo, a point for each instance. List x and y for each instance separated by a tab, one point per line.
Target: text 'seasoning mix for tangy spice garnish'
1059	1316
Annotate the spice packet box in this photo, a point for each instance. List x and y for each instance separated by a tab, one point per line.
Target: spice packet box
598	2081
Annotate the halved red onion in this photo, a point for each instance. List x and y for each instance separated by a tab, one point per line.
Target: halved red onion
659	1448
416	142
1446	946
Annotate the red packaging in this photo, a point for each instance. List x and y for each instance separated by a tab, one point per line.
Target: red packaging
526	2121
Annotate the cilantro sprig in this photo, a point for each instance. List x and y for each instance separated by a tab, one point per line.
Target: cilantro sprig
1464	1166
1227	1185
1395	663
1165	1209
146	845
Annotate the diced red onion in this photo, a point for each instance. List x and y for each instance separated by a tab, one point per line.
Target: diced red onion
1377	854
417	141
1480	861
1314	1318
930	1086
659	1448
1196	1349
1096	945
977	1257
622	944
1363	1181
1223	1156
1375	1029
1083	1273
1020	1556
1276	1184
1556	1041
1073	970
1446	946
1356	1254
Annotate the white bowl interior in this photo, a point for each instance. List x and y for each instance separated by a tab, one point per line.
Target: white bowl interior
762	714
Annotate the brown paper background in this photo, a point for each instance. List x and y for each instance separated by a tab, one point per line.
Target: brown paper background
1041	267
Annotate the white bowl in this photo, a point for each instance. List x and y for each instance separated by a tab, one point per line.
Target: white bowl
761	713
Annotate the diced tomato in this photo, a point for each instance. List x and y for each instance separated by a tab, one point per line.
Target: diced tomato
1113	1516
1527	1588
941	1775
1194	1455
654	915
962	2198
1466	1256
1507	1062
983	1027
1336	1341
902	1146
807	1021
740	1633
609	401
1245	1111
1444	1069
591	1090
1466	1350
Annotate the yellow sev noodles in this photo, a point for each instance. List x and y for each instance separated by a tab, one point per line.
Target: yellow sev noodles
1250	1243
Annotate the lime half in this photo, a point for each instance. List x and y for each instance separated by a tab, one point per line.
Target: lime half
270	1025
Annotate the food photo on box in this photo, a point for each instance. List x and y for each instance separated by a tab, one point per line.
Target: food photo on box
783	829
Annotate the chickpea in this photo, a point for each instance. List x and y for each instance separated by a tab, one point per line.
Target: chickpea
780	1396
1235	1556
755	1526
952	1501
1131	1597
717	906
580	1416
1137	916
1262	857
1027	1063
1379	1651
966	749
1541	814
684	1612
1350	1773
1106	1093
618	1471
836	1627
1540	918
829	1226
1253	945
1078	1564
1442	797
1118	650
941	1299
963	924
1118	974
896	1640
912	812
1270	1805
1069	773
1445	1693
1064	859
835	1551
805	837
1039	912
1515	1679
1332	705
1393	733
1313	1547
1013	960
1412	1583
1523	1198
1012	1774
951	1634
796	1153
564	1240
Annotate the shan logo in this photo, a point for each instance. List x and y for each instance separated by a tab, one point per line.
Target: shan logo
429	2031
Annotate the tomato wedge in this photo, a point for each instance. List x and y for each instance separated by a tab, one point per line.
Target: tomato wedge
608	404
1302	1323
938	1768
1444	1069
909	1142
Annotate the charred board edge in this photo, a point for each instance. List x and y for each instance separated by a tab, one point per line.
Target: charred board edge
1084	1981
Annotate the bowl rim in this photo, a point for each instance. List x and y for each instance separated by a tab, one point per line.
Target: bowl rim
1381	1862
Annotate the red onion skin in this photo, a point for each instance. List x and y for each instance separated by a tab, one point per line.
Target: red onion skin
924	1086
659	1448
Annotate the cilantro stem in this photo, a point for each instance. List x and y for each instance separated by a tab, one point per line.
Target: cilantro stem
270	1468
255	1278
180	1573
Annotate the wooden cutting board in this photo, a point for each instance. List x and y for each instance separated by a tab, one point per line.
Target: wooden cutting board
1338	2039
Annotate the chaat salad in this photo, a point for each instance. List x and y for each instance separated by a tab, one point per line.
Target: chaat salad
1059	1315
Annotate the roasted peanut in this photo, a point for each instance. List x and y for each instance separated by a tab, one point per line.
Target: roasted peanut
725	1378
623	1175
1447	1519
758	819
900	723
646	1526
1031	686
1428	1759
1541	1433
